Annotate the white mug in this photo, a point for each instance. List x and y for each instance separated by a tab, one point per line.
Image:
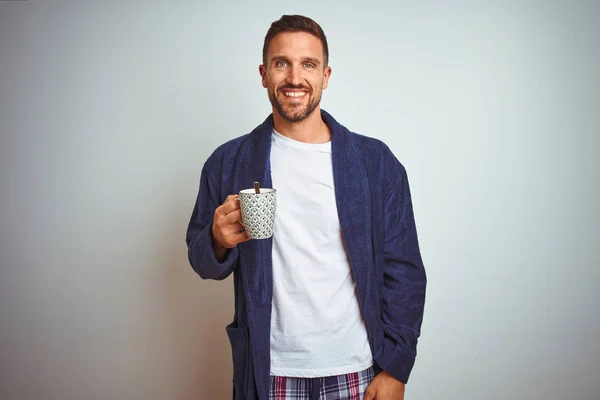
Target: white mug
258	212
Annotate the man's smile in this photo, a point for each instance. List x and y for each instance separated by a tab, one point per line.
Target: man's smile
294	94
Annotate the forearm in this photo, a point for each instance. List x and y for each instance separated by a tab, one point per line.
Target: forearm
219	250
404	280
402	315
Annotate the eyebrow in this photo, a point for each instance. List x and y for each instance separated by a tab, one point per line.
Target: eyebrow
313	60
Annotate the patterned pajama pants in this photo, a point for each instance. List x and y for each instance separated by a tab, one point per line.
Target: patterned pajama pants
342	387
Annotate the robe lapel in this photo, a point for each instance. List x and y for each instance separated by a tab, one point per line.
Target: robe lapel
353	204
253	164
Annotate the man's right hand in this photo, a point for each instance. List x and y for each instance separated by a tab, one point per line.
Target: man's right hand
227	231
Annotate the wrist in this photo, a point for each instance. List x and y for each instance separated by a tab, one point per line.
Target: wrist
219	250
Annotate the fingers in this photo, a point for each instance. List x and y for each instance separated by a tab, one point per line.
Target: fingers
369	396
229	236
227	229
238	229
234	217
234	234
229	212
242	236
370	393
230	204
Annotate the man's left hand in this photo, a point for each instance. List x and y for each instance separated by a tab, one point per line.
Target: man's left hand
385	387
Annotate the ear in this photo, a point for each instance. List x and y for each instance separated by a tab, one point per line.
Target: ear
263	74
326	75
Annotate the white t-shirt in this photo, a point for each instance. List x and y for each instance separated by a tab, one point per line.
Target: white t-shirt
316	327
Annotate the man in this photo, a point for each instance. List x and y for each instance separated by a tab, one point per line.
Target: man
331	306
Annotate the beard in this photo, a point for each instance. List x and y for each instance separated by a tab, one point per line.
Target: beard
296	113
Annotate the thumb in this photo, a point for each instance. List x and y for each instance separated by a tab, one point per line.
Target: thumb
369	393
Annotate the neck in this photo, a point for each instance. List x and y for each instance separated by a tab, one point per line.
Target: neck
311	130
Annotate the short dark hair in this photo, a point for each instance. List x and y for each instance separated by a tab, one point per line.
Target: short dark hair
295	23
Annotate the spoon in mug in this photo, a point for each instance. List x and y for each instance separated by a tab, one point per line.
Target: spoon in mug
256	188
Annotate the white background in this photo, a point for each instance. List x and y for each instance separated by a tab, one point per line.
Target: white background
110	108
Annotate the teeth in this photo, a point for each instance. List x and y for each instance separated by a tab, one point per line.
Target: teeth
294	94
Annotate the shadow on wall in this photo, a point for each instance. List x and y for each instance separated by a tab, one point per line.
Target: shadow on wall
198	312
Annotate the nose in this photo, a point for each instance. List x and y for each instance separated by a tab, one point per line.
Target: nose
294	75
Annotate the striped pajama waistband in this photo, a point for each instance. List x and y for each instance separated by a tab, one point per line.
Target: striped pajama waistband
341	387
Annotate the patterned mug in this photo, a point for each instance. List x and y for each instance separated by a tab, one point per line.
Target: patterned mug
258	212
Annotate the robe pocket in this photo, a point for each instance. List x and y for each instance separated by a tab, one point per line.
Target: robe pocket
243	373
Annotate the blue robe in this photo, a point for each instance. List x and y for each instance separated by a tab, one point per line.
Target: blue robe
376	217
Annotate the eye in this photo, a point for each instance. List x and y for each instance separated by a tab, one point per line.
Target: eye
309	65
280	64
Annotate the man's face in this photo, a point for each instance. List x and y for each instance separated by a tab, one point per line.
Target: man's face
295	74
